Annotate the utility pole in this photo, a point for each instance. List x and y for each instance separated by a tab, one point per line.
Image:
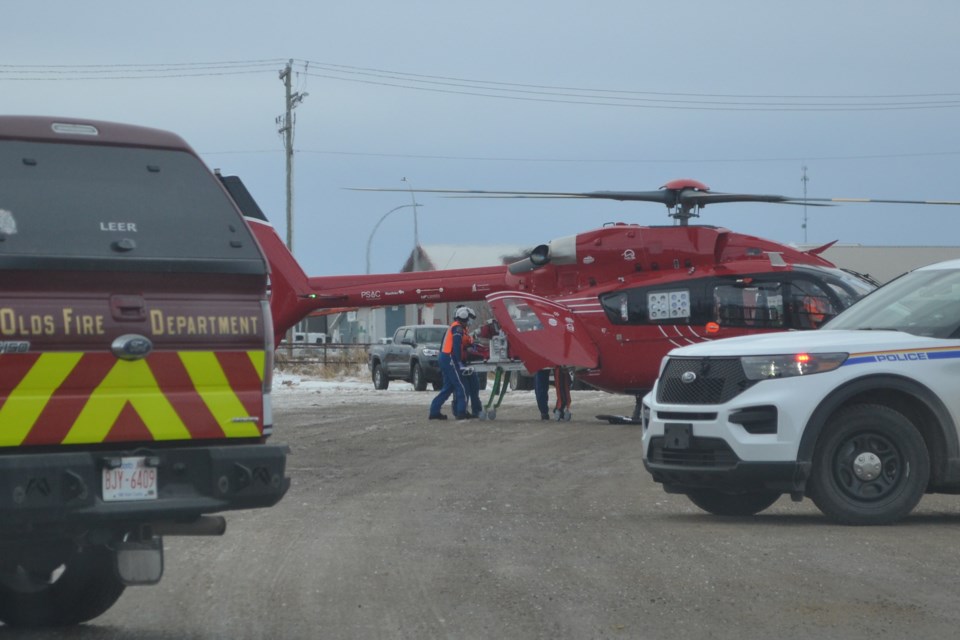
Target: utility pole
804	180
286	122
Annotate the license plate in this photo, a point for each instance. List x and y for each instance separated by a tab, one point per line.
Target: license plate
677	436
132	480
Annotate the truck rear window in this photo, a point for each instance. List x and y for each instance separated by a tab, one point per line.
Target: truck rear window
107	207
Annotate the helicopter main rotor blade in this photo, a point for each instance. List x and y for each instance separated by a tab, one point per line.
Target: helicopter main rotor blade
876	200
647	196
684	197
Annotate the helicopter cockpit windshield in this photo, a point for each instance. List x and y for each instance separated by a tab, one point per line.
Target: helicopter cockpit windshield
924	303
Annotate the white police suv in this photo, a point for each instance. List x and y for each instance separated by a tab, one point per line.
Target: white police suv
861	416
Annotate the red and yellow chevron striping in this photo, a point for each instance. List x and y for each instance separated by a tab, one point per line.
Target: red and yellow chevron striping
81	398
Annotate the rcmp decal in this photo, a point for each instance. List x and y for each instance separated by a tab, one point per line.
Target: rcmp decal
912	355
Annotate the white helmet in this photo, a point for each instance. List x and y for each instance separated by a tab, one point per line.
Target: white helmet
464	314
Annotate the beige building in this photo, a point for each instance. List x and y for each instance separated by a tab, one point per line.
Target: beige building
883	264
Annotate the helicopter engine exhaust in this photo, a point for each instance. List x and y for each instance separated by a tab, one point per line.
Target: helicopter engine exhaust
537	258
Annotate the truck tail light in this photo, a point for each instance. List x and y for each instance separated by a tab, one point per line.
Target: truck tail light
268	356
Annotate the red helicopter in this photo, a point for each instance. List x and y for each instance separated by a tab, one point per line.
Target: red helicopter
610	302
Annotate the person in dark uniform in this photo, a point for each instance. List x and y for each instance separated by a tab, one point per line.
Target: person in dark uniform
541	387
471	379
451	365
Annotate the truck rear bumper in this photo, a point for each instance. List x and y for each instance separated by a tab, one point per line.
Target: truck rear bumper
38	490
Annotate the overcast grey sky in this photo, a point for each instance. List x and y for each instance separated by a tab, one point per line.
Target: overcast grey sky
505	94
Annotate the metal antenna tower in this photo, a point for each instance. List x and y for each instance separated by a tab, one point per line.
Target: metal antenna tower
804	180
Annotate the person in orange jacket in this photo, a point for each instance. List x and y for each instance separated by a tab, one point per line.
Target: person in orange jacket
451	366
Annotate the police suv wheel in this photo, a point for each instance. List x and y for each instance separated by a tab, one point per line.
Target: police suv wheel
732	504
871	466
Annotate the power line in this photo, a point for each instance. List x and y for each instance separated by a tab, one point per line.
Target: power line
649	103
133	71
414	156
529	92
879	156
366	70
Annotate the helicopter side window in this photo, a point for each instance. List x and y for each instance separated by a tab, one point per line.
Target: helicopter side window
649	306
749	304
668	305
524	318
810	305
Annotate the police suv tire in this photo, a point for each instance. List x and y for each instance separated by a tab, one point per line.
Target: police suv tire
87	587
380	379
417	378
871	466
732	504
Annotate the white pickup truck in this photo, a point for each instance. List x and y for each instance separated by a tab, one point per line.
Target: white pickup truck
861	416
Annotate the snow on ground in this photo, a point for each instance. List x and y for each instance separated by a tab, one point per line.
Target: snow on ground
291	390
296	391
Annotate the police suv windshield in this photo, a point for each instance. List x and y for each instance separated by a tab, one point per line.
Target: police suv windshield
924	303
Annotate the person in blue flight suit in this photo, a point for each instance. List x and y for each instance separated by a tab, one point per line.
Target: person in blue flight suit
451	365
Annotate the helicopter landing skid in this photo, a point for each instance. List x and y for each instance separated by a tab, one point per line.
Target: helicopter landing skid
618	419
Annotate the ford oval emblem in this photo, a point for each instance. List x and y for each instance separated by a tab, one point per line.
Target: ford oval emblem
688	377
131	347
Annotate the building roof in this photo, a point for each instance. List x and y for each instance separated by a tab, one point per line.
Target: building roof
885	263
457	256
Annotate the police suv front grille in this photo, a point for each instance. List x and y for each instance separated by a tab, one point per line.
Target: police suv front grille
713	381
702	452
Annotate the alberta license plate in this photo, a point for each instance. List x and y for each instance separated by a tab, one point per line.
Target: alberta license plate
132	480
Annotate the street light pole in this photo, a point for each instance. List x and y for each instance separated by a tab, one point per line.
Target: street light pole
380	221
416	231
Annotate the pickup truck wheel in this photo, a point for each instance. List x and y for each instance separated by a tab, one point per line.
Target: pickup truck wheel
521	382
416	377
380	379
732	504
82	588
871	466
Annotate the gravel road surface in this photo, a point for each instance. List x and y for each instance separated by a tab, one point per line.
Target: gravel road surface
400	527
